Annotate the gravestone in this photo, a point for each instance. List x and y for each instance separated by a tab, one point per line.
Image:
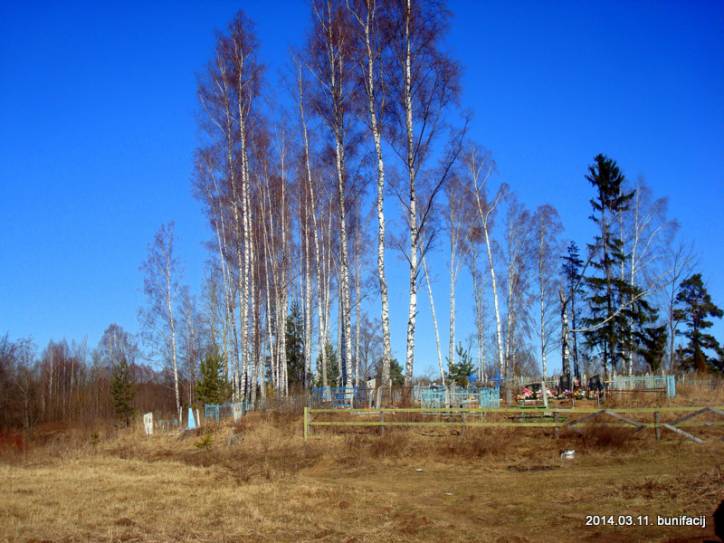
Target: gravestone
192	421
148	423
236	411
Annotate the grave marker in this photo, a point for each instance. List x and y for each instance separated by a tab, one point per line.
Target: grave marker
192	421
148	423
236	411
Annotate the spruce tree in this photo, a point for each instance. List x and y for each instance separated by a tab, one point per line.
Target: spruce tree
122	391
571	270
396	376
460	371
694	307
212	387
295	344
653	346
332	367
608	326
641	334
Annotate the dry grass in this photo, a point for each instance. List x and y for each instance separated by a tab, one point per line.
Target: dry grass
706	393
259	481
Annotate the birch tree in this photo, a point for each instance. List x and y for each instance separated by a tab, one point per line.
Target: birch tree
471	260
547	229
313	199
435	327
519	255
480	168
190	335
424	83
283	290
330	57
243	44
227	94
161	287
365	13
680	262
210	189
647	237
458	218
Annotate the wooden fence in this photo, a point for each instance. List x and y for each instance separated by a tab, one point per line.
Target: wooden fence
556	418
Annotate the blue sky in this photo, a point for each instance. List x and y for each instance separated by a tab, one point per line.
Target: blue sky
98	111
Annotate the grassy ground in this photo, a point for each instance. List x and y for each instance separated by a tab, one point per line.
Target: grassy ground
259	481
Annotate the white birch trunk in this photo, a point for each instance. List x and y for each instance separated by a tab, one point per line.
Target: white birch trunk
633	270
344	264
542	281
327	270
479	321
453	280
319	251
237	220
336	64
172	329
484	215
246	222
377	138
253	295
283	298
434	323
412	218
496	305
269	267
307	298
358	302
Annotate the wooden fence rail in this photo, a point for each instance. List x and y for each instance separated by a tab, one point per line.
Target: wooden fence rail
559	418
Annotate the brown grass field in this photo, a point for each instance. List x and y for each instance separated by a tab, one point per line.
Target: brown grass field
259	481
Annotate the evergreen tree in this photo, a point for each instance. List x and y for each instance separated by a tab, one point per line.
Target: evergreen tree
573	281
212	387
653	346
396	376
693	307
459	371
122	391
642	335
612	302
295	344
332	367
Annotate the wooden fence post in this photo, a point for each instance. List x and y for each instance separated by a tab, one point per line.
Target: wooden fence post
382	422
656	426
306	422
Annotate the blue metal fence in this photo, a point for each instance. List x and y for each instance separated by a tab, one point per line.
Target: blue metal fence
340	396
436	397
490	396
215	412
432	397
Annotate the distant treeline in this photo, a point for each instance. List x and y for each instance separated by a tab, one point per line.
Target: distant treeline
65	383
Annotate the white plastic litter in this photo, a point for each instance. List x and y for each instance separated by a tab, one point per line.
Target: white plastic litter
568	454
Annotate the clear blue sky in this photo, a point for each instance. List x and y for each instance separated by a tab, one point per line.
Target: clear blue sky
98	128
